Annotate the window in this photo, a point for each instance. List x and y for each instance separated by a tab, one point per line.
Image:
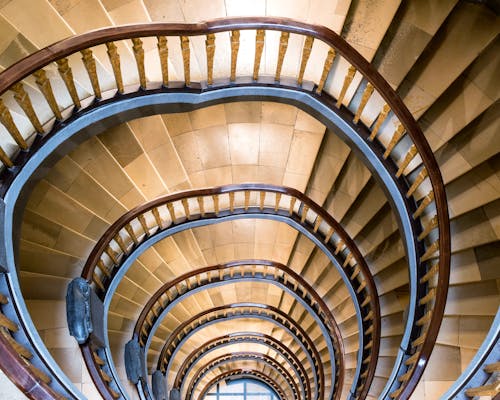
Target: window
241	389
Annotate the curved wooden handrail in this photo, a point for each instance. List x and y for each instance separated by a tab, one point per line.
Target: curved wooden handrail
370	301
259	311
239	356
252	337
244	372
441	246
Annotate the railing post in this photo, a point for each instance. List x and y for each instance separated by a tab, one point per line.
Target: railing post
84	311
159	385
134	361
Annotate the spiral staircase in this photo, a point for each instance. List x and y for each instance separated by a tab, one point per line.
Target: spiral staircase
301	193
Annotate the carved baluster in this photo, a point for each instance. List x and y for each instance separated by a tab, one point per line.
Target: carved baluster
185	205
210	46
112	255
215	198
90	65
425	319
355	273
329	235
235	46
231	201
121	244
247	199
306	52
281	55
5	159
396	137
156	215
24	101
262	198
114	59
144	225
171	211
201	204
46	88
67	76
339	247
412	152
419	179
98	282
430	251
326	69
8	122
366	302
432	272
347	82
433	223
381	118
259	46
292	205
425	202
103	269
367	93
131	233
139	60
317	223
305	209
163	53
186	59
347	260
277	201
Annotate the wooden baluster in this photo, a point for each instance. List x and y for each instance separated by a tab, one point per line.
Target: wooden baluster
231	201
24	101
185	205
4	299
114	59
420	340
131	233
210	47
171	211
396	393
433	223
98	282
247	199
201	205
281	55
347	259
410	155
364	99
340	244
306	52
412	360
221	275
491	389
19	348
112	255
46	88
163	54
317	223
361	287
5	159
406	376
326	69
156	215
262	198
369	316
428	297
430	273
347	82
292	205
186	59
303	217
418	180
90	65
277	201
396	137
8	122
100	265
329	235
380	120
8	323
259	46
425	319
139	60
423	204
67	76
430	251
235	46
215	198
144	225
366	302
198	280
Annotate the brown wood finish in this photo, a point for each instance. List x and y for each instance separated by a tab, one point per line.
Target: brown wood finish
229	339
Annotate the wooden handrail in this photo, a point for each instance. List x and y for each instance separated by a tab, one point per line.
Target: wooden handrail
253	337
32	64
244	372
